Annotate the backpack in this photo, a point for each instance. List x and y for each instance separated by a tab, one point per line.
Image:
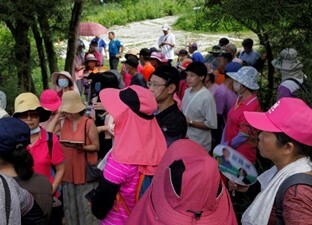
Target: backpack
300	178
143	184
304	92
7	200
50	147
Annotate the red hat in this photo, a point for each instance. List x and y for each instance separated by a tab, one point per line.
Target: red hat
185	63
138	137
50	100
186	190
289	115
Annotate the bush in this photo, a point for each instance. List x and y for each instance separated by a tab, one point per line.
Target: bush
128	11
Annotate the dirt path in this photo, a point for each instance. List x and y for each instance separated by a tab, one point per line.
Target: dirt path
145	34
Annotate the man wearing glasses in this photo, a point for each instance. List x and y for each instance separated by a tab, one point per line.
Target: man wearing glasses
163	83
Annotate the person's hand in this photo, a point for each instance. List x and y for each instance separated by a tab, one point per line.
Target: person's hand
118	55
237	187
97	106
77	146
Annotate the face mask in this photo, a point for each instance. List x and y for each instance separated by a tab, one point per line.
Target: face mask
237	87
35	131
63	83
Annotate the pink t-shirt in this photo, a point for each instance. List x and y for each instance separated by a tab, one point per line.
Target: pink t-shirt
128	177
40	153
236	122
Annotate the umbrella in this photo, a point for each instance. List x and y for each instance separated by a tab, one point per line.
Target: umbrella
91	29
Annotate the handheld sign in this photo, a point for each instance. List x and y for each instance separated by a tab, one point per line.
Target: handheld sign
235	166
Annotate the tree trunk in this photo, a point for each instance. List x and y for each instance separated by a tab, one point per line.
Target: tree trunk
22	54
40	49
264	40
48	42
73	36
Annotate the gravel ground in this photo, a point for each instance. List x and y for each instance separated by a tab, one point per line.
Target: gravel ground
145	33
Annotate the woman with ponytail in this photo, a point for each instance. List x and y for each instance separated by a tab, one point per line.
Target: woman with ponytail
17	162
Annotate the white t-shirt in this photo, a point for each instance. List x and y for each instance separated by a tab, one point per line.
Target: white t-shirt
166	49
202	109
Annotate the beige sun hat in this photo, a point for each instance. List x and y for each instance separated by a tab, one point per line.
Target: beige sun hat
133	52
28	101
71	102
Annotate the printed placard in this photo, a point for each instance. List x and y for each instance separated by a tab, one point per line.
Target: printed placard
235	166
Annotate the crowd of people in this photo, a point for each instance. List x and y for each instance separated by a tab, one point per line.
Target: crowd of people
135	146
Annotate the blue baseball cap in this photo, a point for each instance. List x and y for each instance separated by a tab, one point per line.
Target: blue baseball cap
232	67
13	133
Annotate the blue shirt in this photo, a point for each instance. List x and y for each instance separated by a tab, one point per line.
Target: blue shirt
138	79
113	47
250	57
101	43
198	57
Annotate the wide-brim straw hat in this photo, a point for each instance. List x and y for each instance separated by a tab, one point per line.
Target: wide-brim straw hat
27	102
71	102
133	52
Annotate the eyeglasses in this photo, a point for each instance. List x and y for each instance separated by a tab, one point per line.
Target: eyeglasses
31	114
154	85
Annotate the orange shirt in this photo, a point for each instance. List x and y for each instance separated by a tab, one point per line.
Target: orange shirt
147	70
75	160
220	77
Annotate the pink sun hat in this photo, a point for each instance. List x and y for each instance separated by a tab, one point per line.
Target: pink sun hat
186	189
138	137
289	115
159	56
50	100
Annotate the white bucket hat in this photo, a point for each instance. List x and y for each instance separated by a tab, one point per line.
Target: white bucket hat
288	60
247	76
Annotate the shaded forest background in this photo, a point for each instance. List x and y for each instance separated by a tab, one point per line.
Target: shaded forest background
29	31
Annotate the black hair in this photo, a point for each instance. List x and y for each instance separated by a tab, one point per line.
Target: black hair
145	53
248	42
183	74
304	150
153	49
212	77
111	32
198	68
22	161
227	56
223	41
93	42
82	112
169	73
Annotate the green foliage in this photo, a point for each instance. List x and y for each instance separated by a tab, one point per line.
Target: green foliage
130	10
206	19
9	87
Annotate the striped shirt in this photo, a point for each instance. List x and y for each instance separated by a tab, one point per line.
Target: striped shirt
128	177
